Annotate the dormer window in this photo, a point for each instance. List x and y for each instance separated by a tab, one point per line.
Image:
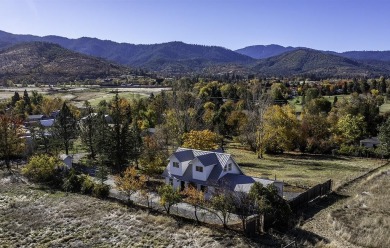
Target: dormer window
199	168
225	168
229	167
175	164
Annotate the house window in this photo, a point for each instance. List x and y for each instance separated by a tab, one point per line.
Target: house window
199	168
170	181
229	167
175	164
225	168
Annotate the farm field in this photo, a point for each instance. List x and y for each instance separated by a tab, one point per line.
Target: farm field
37	218
303	170
78	95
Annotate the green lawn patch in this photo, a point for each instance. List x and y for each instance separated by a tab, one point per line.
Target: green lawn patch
303	170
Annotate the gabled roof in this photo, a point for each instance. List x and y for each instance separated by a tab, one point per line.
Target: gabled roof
208	159
222	157
185	155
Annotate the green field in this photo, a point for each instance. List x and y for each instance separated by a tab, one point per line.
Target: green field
303	170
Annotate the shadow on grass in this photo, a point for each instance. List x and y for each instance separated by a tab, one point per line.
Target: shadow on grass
305	156
312	208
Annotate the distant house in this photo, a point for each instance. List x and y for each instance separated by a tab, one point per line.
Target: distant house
47	123
107	118
209	170
370	142
67	159
35	118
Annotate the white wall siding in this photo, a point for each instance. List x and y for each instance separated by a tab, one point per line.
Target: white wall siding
201	175
234	170
182	166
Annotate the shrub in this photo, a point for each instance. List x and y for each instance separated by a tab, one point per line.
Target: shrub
44	169
72	182
87	185
101	191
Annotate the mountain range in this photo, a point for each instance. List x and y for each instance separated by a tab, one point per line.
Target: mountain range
50	63
180	58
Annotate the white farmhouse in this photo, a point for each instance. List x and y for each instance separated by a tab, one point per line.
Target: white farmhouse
208	170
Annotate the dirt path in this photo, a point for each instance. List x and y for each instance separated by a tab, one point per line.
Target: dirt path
321	222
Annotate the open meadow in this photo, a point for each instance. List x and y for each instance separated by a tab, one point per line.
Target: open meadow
303	169
34	217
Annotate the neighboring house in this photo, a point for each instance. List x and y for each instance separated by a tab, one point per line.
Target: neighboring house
34	118
208	170
67	159
47	123
370	142
107	118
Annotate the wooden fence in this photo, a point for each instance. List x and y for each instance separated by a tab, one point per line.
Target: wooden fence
311	194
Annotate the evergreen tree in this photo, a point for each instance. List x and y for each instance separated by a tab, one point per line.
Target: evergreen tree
15	98
65	127
89	130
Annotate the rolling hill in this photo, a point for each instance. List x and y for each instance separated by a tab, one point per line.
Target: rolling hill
308	61
47	62
263	52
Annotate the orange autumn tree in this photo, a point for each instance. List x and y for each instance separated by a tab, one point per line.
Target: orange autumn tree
201	140
130	182
195	198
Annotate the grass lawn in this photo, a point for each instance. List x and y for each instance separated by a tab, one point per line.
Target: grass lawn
303	170
385	107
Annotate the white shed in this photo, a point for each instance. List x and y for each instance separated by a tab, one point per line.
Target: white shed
67	159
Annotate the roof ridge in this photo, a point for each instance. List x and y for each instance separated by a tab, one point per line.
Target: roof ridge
224	153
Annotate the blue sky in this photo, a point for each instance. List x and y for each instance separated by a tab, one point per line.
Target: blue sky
338	25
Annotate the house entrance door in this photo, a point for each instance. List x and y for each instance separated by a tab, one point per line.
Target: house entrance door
182	185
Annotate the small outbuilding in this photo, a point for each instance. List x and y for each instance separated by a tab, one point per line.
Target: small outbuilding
67	160
370	142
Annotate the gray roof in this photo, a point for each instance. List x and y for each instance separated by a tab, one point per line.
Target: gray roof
185	155
373	140
208	159
47	123
242	183
34	117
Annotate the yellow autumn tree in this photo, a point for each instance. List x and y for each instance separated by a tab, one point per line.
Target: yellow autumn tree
280	129
201	140
130	182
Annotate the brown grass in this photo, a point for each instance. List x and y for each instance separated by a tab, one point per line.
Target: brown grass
364	220
38	218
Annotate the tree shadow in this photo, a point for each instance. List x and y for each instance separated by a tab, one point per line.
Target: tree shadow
319	204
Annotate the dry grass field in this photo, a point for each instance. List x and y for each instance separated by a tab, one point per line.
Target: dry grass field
359	215
304	170
32	217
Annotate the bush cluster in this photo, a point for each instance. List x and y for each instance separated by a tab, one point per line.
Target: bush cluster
84	184
361	151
